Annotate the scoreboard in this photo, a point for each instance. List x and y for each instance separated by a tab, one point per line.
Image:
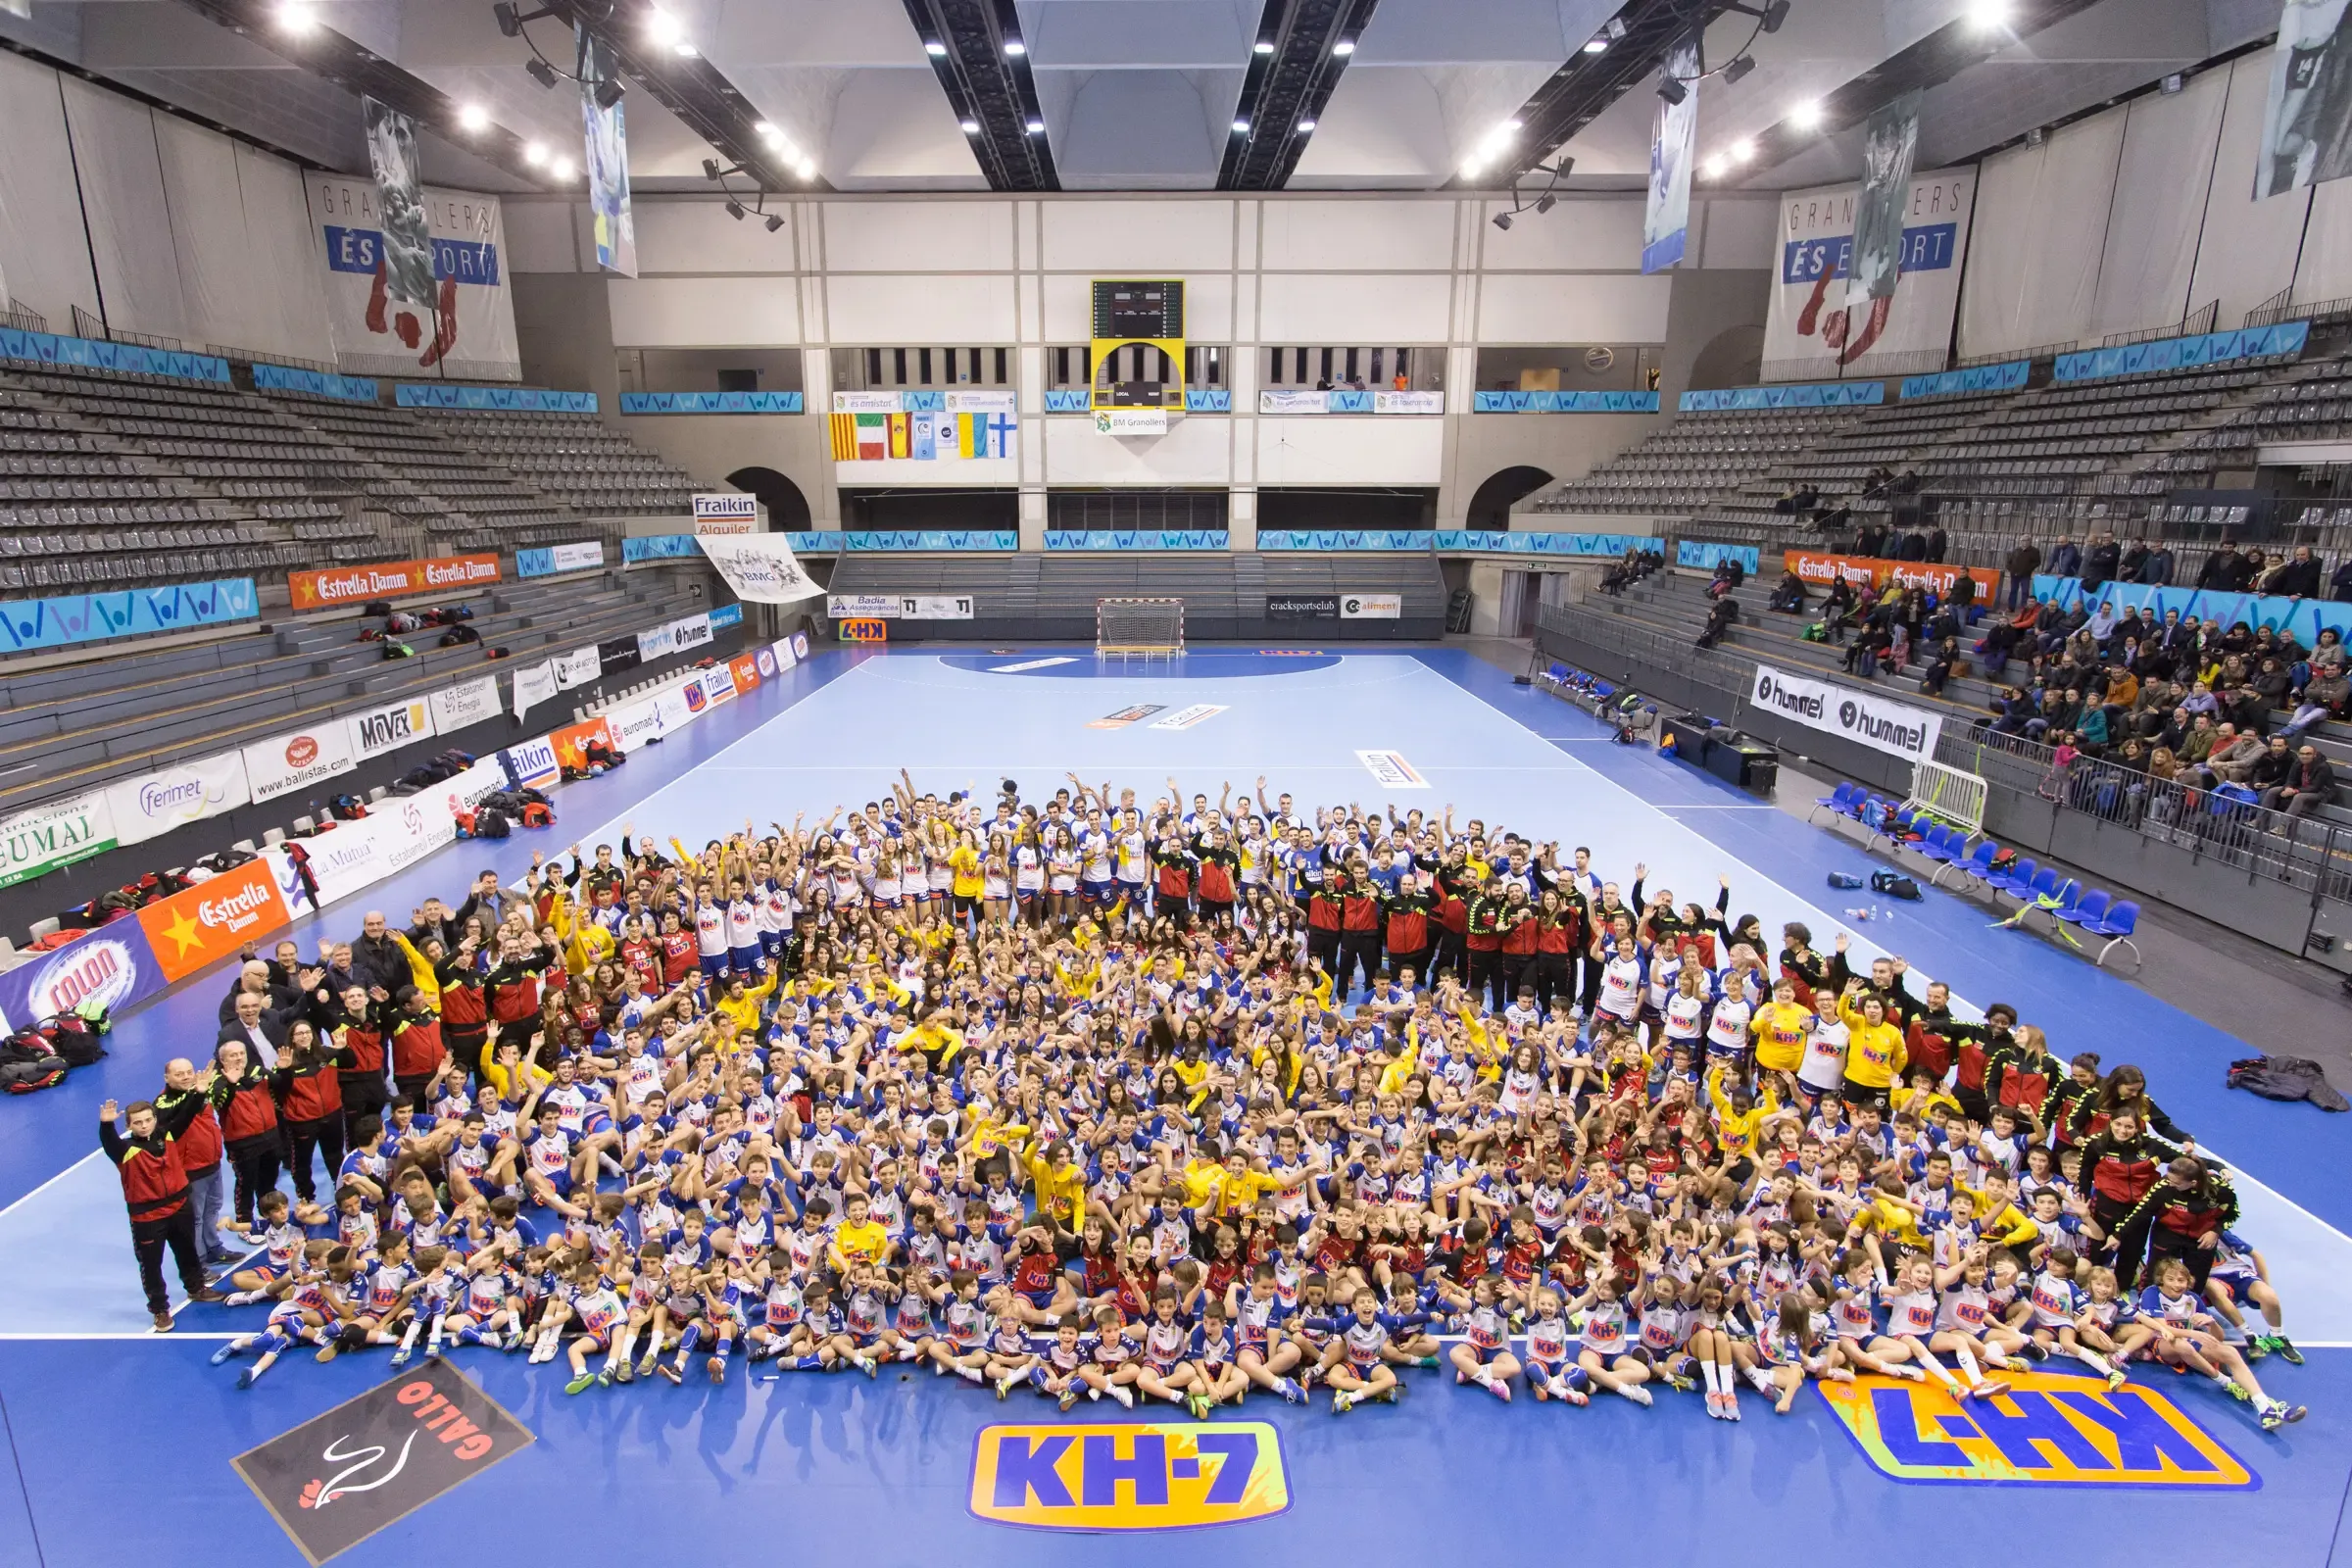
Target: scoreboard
1131	314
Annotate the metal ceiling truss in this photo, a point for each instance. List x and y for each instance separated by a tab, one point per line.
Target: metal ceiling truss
1302	48
990	90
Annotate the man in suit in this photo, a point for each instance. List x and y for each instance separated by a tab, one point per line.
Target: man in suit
261	1029
255	979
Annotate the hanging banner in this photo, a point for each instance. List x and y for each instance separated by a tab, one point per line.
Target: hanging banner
1863	717
758	567
659	642
1811	330
284	763
147	807
388	579
553	559
1890	145
465	327
2307	114
353	856
1820	570
55	834
692	631
533	684
935	607
927	437
1666	220
459	705
112	967
390	727
577	667
408	247
616	655
607	160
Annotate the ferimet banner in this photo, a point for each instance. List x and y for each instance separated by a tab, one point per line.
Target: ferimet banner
187	792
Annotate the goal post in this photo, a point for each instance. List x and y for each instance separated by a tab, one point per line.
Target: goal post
1138	628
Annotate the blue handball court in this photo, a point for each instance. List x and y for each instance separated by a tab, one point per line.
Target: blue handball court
121	1442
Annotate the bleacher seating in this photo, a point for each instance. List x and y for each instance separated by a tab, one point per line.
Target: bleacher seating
1697	458
575	460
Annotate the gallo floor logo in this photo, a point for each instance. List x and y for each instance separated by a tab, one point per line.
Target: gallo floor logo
2049	1428
1129	1477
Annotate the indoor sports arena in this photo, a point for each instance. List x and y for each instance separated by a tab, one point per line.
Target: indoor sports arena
981	780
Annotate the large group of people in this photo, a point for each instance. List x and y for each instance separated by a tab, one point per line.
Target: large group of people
1177	1099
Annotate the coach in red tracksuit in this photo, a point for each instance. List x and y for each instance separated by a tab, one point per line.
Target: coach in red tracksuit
1359	932
155	1188
418	1051
185	1114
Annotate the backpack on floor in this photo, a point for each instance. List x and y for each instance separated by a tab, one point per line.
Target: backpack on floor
1893	884
347	807
538	815
483	822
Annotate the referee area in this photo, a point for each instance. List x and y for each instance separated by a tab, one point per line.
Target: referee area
123	1443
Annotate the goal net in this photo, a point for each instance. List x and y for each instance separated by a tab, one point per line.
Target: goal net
1138	628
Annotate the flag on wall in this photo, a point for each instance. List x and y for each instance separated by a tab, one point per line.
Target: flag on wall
2307	114
408	247
1889	146
922	437
900	436
1666	220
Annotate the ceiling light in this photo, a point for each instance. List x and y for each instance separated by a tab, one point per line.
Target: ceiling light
1344	47
1985	15
1672	91
934	48
761	128
534	153
1306	125
1596	46
662	27
473	117
1806	116
1015	48
1502	219
1742	150
775	223
735	210
540	72
1036	128
561	169
684	50
971	128
1241	128
1715	167
806	169
296	18
1262	47
1740	67
608	92
509	19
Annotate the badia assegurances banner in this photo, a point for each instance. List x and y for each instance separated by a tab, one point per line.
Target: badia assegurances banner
467	333
1812	332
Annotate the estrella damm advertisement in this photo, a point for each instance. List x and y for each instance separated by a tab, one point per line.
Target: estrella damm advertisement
2048	1429
1130	1476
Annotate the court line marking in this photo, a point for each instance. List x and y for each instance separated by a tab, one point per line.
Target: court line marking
2239	1173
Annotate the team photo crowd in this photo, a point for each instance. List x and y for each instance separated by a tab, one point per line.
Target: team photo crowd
1087	1095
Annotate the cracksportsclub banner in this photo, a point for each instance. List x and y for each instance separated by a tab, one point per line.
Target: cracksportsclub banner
465	332
1824	315
388	579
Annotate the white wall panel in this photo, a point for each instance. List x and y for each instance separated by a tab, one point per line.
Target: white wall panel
699	237
123	200
1573	308
2248	250
1345	449
2041	224
1582	236
2161	186
1737	234
1139	239
1197	450
223	288
1358	235
1069	308
908	236
702	312
539	235
873	308
1345	308
43	260
286	261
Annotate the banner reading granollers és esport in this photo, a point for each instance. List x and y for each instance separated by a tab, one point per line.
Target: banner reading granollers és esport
468	330
388	579
1811	333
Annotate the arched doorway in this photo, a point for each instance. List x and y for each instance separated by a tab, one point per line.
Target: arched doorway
1491	506
787	507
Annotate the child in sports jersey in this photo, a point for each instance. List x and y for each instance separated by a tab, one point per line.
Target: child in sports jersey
1010	1358
1217	1376
2187	1336
1604	1350
1055	1372
2055	1305
1362	1371
310	1307
1267	1352
1484	1355
1111	1367
1966	1327
2240	1277
961	1345
1913	1308
601	1314
1790	1352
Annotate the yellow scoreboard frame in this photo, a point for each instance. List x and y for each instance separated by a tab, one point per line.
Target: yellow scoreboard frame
1107	340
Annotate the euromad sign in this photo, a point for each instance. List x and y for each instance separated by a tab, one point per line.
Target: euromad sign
1129	1477
2048	1429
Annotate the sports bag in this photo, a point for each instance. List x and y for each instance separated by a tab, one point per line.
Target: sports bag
1893	884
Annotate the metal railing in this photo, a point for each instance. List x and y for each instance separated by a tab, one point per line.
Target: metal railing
19	317
2039	351
242	356
2196	324
2279	308
2270	311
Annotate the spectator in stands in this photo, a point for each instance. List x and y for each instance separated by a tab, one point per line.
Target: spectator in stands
1943	662
2274	767
1937	543
2066	559
1728	575
2224	569
1721	616
2297	577
2101	562
1788	595
1870	540
2233	755
2310	784
1838	611
2339	583
2022	562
